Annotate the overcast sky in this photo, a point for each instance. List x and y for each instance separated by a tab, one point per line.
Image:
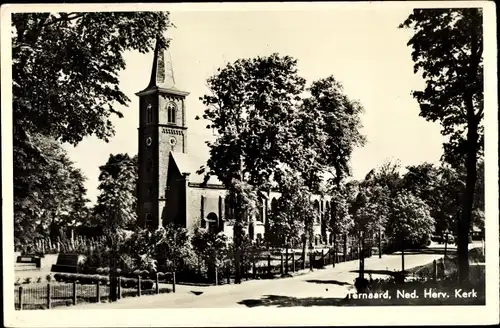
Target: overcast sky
362	47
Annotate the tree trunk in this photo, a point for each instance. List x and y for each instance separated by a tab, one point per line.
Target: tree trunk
304	243
379	244
362	258
334	242
471	156
286	258
402	256
445	246
345	247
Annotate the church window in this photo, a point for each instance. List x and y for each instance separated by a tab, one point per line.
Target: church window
202	210
149	114
171	112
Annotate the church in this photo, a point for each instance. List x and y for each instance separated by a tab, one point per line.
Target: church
169	189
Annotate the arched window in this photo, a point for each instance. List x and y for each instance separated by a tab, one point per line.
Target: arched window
171	112
149	114
213	222
318	210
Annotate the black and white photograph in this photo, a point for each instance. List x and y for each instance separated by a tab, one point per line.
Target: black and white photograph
224	164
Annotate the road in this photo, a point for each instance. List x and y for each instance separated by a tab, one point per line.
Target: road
320	287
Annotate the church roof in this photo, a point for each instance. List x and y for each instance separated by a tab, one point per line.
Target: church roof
188	163
162	73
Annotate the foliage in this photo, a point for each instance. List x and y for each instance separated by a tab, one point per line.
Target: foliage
447	49
340	220
251	106
211	248
331	124
295	214
49	191
65	69
410	220
172	248
116	204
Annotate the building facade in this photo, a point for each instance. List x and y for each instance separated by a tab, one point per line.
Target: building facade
169	189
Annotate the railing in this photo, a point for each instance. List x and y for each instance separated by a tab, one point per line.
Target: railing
46	296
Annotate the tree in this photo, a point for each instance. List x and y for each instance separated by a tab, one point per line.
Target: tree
118	187
340	220
251	106
115	210
65	69
334	124
172	248
292	222
409	222
212	250
447	50
49	191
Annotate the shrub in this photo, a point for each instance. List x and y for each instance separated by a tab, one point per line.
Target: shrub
39	280
17	282
27	280
48	278
147	284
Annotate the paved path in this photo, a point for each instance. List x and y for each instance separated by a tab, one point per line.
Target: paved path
325	284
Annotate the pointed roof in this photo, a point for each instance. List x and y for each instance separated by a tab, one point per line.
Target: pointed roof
187	163
162	72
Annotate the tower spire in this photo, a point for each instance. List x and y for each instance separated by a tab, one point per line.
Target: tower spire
162	74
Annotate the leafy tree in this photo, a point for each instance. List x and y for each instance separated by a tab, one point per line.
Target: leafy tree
65	69
116	204
340	220
49	191
211	248
331	124
251	106
115	210
172	248
292	222
447	49
410	221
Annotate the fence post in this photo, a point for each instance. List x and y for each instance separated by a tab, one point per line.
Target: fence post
293	260
173	282
157	284
269	263
119	287
281	267
216	275
303	265
48	296
98	291
323	256
74	293
20	297
228	273
139	286
434	270
311	260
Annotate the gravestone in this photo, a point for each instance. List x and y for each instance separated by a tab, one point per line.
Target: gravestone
68	262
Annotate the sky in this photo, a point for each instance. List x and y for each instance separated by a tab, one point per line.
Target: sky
362	47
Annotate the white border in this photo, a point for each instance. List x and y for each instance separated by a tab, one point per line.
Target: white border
394	315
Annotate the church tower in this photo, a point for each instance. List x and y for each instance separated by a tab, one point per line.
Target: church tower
162	129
